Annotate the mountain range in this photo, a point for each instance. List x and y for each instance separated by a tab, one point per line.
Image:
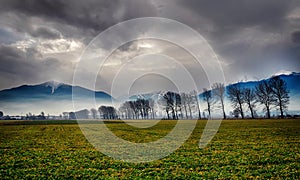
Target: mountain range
292	80
48	90
55	97
50	97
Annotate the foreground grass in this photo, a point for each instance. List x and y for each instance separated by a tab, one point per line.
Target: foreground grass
241	149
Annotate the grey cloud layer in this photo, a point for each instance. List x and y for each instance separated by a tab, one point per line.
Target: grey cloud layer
26	21
90	15
19	67
253	38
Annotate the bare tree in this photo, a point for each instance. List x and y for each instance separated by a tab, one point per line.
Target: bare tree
189	101
184	103
65	115
207	97
102	112
151	106
82	114
264	96
218	90
163	101
178	103
236	94
143	107
122	111
72	115
172	102
146	108
112	112
94	113
108	112
196	100
134	109
138	108
169	98
127	109
249	98
280	93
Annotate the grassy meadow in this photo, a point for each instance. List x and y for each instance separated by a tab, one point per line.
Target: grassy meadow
252	149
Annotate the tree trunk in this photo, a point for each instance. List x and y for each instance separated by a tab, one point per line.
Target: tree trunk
176	112
268	112
223	109
189	106
199	112
167	111
241	109
173	113
280	107
251	110
186	114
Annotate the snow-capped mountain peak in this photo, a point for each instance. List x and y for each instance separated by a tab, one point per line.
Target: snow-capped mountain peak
53	84
283	72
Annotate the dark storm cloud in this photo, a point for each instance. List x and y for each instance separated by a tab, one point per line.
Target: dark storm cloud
251	36
15	63
42	21
77	13
296	37
45	33
91	14
19	67
240	13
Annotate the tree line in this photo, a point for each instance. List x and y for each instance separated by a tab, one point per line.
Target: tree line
269	94
138	109
182	105
175	105
103	112
272	93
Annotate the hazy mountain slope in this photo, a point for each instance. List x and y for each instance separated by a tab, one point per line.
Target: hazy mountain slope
47	91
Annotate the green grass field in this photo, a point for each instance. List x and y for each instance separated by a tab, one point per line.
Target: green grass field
241	149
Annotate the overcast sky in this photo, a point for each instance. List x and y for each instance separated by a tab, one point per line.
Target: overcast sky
42	40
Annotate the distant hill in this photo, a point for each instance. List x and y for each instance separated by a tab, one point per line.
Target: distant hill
292	80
